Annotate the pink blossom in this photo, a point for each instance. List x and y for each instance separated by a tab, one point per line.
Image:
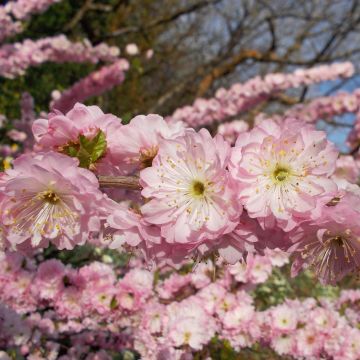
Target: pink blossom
138	142
190	326
283	172
241	97
49	280
190	194
16	135
94	84
149	54
329	245
50	200
259	268
59	131
309	342
283	319
231	130
22	9
16	58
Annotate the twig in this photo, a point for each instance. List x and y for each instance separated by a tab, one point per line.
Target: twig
125	182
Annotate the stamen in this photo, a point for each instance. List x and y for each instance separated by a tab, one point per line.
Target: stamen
198	188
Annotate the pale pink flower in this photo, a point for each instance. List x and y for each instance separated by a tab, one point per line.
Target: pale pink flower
282	171
60	131
17	135
191	197
283	318
259	268
49	280
188	324
188	331
98	273
210	296
153	316
231	130
277	257
50	199
69	303
239	317
138	142
329	245
309	342
283	344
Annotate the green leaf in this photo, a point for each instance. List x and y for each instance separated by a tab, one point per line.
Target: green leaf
113	303
88	151
71	150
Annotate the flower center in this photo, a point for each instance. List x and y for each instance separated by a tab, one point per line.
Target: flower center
49	196
338	241
281	174
197	188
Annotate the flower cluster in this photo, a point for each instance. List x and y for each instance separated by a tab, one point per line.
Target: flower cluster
16	10
326	107
42	204
178	315
8	26
194	188
240	97
22	9
94	84
16	58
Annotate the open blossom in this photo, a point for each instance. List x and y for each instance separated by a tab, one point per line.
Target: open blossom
190	194
329	245
283	318
59	131
188	324
138	142
283	170
49	198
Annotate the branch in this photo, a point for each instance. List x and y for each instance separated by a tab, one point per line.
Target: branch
124	182
245	54
164	20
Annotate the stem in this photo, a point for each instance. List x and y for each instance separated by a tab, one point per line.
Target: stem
125	182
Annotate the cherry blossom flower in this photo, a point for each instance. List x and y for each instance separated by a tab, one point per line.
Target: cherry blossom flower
138	142
61	132
191	197
51	199
329	245
283	171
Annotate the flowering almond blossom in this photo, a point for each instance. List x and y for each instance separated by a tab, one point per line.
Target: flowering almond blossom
330	244
283	171
62	133
138	142
191	197
49	198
